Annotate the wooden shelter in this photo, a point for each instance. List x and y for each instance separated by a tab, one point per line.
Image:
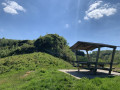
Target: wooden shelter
89	46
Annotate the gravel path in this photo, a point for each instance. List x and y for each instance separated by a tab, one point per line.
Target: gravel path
87	73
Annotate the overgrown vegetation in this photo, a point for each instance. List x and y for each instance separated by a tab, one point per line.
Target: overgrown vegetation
25	65
39	71
31	62
55	45
50	43
10	47
39	64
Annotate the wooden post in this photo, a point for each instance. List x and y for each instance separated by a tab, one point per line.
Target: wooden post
88	59
111	63
97	60
88	56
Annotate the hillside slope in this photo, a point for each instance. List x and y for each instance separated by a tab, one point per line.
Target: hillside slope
31	62
15	71
39	71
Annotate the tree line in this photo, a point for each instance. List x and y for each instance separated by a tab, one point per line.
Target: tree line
105	56
51	43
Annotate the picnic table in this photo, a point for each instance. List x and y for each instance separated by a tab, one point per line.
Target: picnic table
91	65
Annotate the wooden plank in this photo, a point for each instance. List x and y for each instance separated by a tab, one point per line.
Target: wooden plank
92	68
111	63
97	60
99	63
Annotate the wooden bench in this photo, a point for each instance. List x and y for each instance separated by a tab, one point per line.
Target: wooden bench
91	65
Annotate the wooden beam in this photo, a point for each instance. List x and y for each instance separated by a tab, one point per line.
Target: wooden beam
111	63
96	63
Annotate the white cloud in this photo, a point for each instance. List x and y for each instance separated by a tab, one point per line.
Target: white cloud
12	7
98	10
67	25
94	5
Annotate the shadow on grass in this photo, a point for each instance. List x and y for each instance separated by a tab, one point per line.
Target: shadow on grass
89	74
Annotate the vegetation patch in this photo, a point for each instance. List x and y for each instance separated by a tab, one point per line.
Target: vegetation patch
42	79
31	62
25	65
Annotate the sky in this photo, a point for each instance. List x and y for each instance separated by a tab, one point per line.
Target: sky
76	20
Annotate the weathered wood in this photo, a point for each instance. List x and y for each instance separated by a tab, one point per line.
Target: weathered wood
80	45
111	63
97	60
92	62
88	56
92	68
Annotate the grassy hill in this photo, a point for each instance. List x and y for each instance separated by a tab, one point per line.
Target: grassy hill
31	62
39	71
20	71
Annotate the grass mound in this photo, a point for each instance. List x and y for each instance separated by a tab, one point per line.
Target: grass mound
31	62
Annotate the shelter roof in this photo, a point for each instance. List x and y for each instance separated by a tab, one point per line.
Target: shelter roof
80	45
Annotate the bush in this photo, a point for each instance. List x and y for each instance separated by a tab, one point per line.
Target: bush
10	47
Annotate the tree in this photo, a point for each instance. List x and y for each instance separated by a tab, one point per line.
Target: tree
55	45
50	42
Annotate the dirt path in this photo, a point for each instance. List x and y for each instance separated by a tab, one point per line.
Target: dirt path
26	74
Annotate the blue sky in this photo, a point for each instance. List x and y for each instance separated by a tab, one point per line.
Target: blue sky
76	20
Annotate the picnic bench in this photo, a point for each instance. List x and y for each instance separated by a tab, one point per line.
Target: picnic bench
90	65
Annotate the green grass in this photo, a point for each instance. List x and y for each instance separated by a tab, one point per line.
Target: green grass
117	68
49	79
31	62
39	71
